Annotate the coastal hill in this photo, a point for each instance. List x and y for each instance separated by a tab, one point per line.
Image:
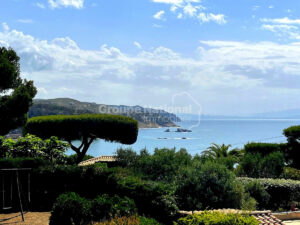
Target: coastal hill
147	117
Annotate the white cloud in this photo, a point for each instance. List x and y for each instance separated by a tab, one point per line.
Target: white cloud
40	5
137	44
157	25
159	15
210	17
5	27
66	3
25	21
284	20
282	27
192	9
225	75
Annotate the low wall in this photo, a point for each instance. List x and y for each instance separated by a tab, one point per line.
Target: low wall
287	215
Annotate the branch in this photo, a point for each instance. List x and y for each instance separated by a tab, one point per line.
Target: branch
77	150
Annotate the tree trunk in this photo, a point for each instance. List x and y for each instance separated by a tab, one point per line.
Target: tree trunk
83	148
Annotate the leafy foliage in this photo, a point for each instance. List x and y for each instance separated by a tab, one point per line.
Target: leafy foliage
256	165
209	185
13	106
70	209
106	208
282	192
222	151
291	173
258	192
132	220
163	165
292	152
217	218
31	146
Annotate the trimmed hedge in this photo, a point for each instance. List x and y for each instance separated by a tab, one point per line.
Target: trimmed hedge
217	218
8	163
72	127
282	192
264	148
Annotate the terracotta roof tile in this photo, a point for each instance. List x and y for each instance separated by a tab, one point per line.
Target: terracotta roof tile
97	159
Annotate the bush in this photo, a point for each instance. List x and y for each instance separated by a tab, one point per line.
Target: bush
70	209
209	185
291	173
153	199
72	159
282	192
5	146
31	146
105	207
164	165
132	220
258	192
256	165
217	218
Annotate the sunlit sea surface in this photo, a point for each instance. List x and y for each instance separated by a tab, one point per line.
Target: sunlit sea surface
234	132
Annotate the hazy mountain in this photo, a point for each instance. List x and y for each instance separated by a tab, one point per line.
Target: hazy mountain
285	114
147	118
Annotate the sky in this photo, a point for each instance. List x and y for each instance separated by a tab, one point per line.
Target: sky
224	57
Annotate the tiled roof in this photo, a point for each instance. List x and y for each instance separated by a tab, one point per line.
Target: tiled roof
97	159
264	217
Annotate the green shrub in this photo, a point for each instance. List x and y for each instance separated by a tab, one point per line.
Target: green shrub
31	146
127	157
5	146
209	185
258	192
148	221
70	209
153	199
217	218
282	192
163	165
291	173
256	165
105	207
132	220
72	159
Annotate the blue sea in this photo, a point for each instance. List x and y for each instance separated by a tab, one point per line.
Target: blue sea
234	132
